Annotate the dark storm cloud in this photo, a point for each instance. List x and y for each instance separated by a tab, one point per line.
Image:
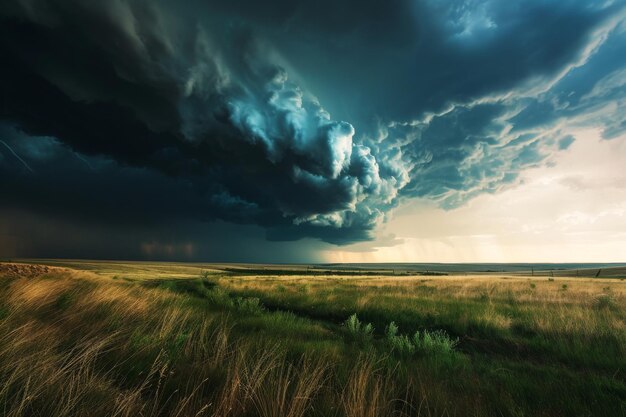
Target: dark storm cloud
113	80
308	119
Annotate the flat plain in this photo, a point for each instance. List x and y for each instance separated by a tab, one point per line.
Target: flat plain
105	338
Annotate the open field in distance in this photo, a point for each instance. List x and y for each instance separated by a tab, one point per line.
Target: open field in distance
102	338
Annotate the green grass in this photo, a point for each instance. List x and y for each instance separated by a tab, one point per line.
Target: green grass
191	342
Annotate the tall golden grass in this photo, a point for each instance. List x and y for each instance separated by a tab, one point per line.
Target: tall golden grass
68	339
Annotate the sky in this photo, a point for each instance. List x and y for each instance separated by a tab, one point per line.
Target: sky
294	131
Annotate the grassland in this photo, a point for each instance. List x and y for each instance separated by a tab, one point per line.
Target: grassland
156	339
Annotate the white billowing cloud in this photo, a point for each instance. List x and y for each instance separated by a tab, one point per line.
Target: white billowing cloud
573	210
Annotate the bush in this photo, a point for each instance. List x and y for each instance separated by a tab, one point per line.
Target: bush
250	306
208	280
435	342
218	297
358	331
391	331
605	302
399	344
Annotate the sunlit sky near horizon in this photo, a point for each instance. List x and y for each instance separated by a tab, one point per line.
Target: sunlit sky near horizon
573	210
294	131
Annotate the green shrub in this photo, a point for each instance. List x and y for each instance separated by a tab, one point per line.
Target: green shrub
435	342
399	344
168	286
208	280
249	306
391	331
218	297
358	331
605	302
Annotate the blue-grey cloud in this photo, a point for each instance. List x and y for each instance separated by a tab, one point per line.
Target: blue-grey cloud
566	141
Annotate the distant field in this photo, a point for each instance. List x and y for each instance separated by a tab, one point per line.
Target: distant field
98	338
591	270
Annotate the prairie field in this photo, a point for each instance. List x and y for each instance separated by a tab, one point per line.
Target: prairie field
87	338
